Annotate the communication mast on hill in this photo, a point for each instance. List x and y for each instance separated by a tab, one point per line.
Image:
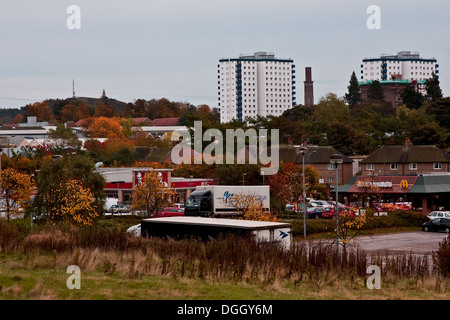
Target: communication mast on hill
73	88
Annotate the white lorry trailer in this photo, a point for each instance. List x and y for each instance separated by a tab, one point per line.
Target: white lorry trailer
179	228
217	201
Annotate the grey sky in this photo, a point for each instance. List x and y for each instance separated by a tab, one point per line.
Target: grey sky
170	48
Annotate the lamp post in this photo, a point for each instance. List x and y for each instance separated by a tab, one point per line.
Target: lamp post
243	176
303	150
336	159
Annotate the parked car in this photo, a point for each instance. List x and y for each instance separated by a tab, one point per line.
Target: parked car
331	212
118	208
168	212
314	213
179	206
321	203
438	224
438	214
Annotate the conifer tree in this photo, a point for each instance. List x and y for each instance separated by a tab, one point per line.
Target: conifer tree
353	97
432	88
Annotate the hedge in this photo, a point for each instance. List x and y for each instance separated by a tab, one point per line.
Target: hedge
394	219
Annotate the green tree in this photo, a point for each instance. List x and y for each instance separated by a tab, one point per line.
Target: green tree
331	108
376	91
432	88
53	172
411	98
428	134
440	110
353	97
64	137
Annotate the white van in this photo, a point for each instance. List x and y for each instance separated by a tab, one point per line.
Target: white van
179	206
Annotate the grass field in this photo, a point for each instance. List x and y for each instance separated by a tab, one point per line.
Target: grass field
114	265
44	277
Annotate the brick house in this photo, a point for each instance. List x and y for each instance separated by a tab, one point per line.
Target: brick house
406	159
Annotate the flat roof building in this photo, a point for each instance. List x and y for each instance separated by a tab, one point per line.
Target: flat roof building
253	85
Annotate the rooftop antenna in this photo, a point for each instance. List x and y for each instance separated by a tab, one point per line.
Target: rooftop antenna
73	88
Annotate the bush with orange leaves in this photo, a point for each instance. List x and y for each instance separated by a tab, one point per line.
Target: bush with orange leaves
71	203
251	208
17	188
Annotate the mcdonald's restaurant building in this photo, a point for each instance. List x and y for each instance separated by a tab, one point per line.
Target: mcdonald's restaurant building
425	192
414	175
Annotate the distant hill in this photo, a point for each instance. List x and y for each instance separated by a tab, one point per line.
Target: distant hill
118	107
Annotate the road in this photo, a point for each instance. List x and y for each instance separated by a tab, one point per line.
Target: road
417	242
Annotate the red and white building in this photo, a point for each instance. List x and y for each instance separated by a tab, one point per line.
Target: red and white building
120	182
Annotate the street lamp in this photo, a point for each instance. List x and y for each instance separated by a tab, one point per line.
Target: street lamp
243	176
303	150
336	159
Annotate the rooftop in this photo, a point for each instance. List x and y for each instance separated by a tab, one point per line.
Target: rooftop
407	154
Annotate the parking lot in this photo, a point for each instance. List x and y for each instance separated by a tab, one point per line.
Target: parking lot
417	242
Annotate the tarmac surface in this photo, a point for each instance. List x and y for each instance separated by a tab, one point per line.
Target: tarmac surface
416	242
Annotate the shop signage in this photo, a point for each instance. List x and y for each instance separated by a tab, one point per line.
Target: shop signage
378	184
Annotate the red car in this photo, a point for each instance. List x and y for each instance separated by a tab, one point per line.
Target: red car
331	212
168	212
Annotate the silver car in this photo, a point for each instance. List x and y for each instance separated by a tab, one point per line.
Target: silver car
438	214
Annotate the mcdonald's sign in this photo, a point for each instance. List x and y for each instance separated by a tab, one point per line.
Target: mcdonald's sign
404	184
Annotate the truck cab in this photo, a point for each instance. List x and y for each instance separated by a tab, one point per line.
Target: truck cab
199	204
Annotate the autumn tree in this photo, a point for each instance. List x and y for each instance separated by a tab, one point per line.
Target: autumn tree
54	172
41	110
251	208
17	190
151	194
349	225
103	127
72	203
286	186
103	110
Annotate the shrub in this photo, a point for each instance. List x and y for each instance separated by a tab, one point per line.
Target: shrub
391	220
441	258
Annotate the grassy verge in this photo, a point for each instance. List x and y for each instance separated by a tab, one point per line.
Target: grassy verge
44	277
115	265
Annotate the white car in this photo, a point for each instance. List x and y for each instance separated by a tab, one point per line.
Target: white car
438	214
321	203
135	230
179	206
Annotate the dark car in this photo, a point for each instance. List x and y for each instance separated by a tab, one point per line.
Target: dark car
439	224
315	212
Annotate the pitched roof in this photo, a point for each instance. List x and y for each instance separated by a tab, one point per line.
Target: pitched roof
165	122
431	184
408	154
313	154
144	120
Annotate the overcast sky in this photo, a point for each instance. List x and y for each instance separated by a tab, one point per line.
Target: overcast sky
170	48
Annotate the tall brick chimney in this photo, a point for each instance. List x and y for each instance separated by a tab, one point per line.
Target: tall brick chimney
309	89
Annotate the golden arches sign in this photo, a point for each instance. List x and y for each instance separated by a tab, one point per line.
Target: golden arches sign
404	184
